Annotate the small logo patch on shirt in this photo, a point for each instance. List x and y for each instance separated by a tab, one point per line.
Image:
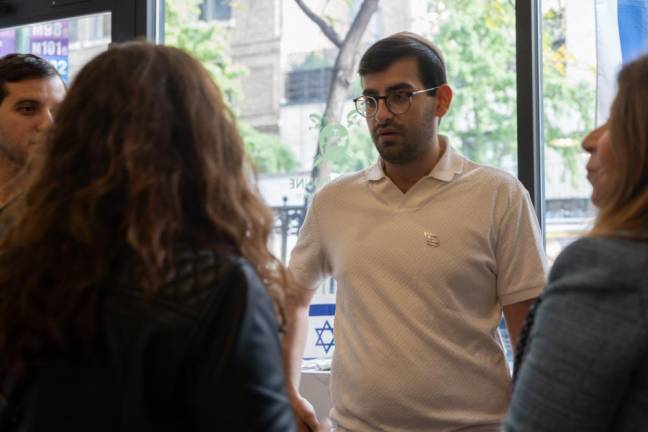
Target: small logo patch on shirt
431	239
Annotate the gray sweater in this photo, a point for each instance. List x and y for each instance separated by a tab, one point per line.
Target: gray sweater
586	368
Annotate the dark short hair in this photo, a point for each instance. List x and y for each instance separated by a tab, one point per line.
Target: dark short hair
21	67
401	45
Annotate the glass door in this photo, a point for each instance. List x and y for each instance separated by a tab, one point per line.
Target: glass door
569	98
67	43
69	33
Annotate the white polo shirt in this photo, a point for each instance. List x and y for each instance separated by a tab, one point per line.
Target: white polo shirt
422	278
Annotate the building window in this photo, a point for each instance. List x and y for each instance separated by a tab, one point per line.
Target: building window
310	85
220	10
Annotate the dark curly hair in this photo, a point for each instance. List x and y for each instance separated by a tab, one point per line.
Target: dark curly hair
144	156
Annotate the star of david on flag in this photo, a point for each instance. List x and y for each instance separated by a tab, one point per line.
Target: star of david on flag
320	342
325	337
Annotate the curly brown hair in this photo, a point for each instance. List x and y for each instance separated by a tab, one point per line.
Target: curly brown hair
144	156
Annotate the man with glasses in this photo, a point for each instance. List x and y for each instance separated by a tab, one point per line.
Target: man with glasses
428	248
30	91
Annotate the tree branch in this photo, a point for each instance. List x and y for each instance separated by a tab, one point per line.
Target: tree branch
346	60
328	31
342	75
360	22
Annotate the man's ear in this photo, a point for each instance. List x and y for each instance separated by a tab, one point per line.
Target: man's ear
444	99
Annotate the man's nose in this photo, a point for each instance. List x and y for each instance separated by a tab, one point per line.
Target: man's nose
382	112
46	120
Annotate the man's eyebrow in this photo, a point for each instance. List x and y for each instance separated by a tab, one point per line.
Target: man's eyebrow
27	101
391	88
399	86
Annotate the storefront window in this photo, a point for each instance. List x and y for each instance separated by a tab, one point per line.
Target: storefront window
569	78
68	43
277	73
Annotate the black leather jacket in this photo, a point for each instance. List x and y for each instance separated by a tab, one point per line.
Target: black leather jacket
202	354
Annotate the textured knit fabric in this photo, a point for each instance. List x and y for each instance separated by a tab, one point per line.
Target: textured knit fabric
422	278
586	363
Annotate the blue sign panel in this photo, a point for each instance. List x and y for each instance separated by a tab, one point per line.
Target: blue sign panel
633	28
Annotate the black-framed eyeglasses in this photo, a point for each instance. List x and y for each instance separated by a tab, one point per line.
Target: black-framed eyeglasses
398	102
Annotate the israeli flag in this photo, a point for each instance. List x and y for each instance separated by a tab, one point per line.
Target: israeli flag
621	36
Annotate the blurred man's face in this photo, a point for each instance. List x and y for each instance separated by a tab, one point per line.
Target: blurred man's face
25	115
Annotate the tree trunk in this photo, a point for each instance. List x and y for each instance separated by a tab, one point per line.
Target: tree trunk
343	70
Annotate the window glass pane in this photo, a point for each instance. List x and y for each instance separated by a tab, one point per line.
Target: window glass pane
68	43
569	85
478	39
277	75
216	10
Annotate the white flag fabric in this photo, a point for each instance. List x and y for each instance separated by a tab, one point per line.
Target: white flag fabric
621	36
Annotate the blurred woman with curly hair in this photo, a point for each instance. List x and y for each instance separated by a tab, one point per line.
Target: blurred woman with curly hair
137	291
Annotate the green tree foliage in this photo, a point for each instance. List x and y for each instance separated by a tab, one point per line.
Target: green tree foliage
346	146
568	105
478	41
209	43
269	154
206	41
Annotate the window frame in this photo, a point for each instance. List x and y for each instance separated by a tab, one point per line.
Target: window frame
130	18
530	135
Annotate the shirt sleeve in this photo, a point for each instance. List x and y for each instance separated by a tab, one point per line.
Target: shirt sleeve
308	259
520	259
582	354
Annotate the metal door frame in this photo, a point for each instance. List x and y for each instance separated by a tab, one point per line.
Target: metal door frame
130	18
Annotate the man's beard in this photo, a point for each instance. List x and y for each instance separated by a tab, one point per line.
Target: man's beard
408	149
12	153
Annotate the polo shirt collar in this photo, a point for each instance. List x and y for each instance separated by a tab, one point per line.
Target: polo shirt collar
375	171
450	164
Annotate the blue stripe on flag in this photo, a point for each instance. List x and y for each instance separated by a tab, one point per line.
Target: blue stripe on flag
322	309
633	28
